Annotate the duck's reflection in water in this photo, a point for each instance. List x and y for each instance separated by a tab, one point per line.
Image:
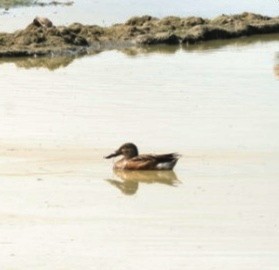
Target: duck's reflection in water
129	181
276	71
276	67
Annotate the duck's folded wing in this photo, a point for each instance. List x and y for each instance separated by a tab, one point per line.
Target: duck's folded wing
142	162
151	162
167	157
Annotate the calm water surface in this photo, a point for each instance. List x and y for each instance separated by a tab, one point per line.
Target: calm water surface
61	205
169	99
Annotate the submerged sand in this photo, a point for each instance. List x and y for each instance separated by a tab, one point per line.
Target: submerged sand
64	209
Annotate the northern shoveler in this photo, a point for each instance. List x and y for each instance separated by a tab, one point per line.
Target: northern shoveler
133	161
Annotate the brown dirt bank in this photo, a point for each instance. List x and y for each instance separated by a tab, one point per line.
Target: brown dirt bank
41	37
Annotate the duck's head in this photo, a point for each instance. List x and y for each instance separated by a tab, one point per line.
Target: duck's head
128	150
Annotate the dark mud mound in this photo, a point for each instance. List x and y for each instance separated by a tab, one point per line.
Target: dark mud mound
42	37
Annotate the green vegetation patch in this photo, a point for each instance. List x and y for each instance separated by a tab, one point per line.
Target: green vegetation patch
15	3
21	3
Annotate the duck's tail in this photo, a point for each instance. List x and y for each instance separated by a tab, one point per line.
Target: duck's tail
167	161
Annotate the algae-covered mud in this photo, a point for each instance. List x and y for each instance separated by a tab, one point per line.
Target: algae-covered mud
42	37
22	3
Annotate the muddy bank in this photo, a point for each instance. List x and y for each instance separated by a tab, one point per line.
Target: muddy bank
53	63
42	37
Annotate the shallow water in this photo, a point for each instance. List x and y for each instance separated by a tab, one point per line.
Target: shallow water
163	100
62	206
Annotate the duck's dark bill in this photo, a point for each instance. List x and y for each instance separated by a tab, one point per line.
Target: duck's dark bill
112	155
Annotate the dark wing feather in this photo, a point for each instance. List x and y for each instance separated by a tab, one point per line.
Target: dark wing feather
167	157
146	162
142	162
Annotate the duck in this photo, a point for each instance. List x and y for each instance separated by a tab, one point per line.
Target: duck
133	161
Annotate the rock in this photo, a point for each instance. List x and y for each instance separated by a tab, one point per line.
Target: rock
42	22
170	20
202	33
139	20
222	20
160	38
76	27
192	21
247	16
80	41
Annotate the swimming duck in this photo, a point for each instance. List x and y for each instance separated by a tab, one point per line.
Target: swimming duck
133	161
